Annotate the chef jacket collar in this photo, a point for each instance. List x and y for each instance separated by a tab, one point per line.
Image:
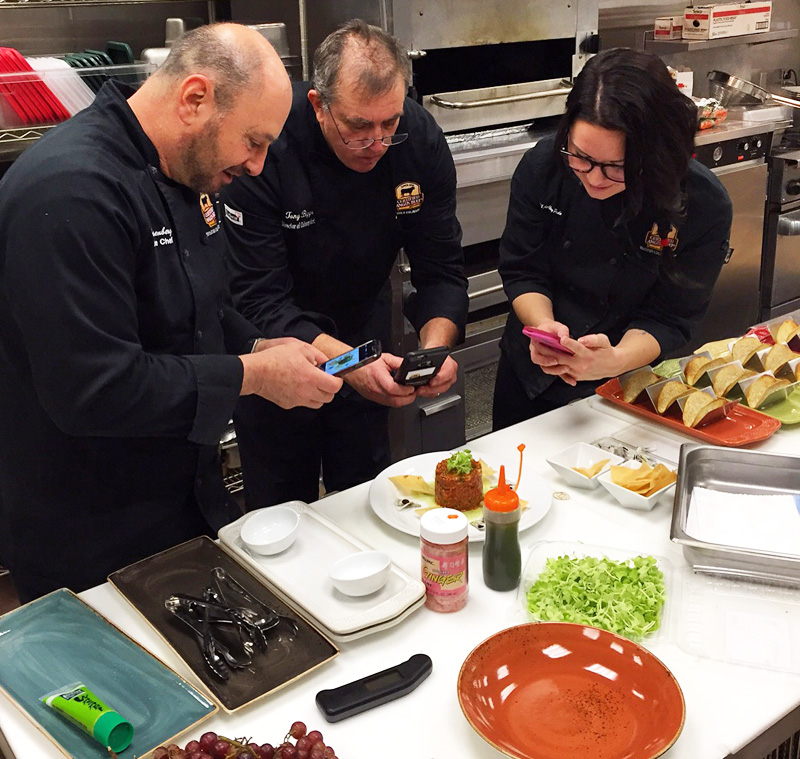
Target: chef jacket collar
113	96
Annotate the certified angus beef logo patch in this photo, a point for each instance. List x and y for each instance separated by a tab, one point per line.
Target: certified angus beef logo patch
409	197
207	207
655	240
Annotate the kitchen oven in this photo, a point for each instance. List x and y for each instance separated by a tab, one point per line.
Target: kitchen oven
496	82
781	274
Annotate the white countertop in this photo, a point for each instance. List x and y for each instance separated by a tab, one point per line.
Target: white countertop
727	705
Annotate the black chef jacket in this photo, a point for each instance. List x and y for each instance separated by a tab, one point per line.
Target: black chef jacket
603	278
313	242
114	319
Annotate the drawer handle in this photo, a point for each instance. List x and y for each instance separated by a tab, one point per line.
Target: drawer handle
462	106
485	291
429	409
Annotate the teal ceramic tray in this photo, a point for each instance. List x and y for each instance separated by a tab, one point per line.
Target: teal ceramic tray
57	640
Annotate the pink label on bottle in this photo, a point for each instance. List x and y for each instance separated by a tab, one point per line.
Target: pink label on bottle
444	576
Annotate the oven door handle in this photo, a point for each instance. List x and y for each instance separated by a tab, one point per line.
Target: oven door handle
429	409
486	291
461	106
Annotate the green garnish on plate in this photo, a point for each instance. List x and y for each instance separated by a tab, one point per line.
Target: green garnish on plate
460	462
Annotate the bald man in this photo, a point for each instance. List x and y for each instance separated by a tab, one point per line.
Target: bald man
121	359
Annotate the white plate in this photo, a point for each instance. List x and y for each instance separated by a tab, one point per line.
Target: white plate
300	576
383	495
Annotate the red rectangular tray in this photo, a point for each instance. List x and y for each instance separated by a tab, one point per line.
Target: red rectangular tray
742	426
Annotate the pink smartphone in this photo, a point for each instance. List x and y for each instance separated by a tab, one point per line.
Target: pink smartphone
546	339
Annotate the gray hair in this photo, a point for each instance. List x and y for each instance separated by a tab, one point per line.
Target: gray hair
381	62
230	67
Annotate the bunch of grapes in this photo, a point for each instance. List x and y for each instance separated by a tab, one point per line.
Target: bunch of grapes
307	745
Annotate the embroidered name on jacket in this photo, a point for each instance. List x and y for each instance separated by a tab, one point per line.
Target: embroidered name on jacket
409	197
161	236
548	207
298	219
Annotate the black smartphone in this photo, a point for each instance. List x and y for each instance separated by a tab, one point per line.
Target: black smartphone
420	367
355	358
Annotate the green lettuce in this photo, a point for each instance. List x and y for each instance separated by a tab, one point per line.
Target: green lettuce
623	597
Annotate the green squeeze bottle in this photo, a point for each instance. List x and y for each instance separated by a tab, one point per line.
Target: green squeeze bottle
502	561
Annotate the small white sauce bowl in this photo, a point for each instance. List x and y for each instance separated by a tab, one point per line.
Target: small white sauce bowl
361	573
271	530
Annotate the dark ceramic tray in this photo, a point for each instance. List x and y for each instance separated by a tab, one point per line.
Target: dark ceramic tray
186	568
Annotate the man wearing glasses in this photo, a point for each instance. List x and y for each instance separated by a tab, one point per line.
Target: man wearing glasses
359	172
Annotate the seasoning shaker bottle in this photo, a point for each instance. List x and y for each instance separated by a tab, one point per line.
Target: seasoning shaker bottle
444	549
502	560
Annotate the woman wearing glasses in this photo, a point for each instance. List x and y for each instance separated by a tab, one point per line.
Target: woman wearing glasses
613	241
358	172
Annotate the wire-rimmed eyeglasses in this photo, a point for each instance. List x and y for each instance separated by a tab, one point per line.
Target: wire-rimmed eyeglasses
583	165
364	143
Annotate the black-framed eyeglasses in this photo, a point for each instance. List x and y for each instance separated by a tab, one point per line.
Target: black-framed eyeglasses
583	165
364	143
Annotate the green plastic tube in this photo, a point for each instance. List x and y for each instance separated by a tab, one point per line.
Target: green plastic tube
80	706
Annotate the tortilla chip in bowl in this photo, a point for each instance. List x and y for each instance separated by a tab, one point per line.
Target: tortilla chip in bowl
637	485
634	382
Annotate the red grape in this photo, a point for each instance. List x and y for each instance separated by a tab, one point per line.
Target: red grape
220	749
207	740
315	736
192	747
329	753
289	752
304	744
297	730
267	752
316	753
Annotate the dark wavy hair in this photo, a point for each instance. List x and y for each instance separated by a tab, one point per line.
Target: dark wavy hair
632	92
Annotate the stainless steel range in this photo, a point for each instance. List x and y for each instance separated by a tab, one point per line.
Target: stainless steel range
496	82
781	274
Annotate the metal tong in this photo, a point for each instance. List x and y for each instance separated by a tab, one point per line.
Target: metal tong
231	592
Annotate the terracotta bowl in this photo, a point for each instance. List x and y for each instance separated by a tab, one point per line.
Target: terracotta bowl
556	690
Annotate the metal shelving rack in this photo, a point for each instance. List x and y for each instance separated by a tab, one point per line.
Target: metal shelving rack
664	47
14	141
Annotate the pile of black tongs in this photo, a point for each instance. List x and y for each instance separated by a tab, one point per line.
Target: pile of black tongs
228	610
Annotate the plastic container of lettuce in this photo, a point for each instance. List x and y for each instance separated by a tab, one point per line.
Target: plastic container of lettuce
630	593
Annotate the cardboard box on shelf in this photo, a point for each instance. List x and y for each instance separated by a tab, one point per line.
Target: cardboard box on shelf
708	22
668	28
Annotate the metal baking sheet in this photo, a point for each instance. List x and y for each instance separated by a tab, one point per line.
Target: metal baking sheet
734	471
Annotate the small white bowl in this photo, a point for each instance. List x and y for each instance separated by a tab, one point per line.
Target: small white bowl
582	455
270	530
628	498
361	573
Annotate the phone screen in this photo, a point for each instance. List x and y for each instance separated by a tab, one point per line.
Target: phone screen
352	358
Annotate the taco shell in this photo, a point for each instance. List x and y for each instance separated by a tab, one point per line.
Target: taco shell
726	378
709	408
694	367
744	349
694	405
635	383
786	331
777	356
670	392
762	388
